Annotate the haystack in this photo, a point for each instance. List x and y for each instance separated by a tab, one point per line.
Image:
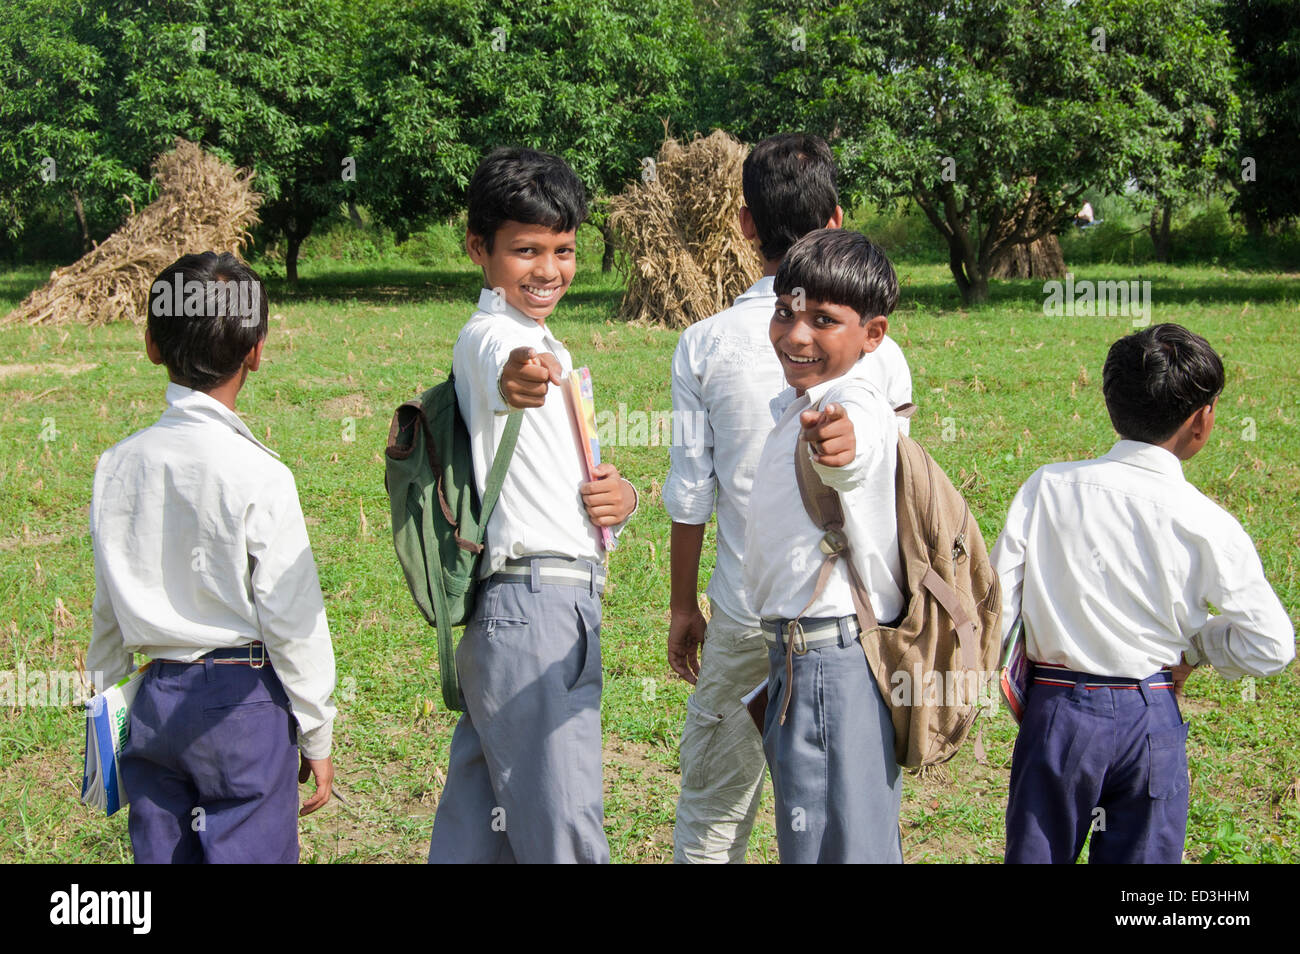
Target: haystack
1039	259
685	257
203	205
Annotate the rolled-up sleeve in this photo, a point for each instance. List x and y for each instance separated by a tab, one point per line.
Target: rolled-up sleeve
291	612
872	435
1252	635
690	492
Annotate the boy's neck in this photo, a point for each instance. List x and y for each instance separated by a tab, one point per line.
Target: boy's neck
225	392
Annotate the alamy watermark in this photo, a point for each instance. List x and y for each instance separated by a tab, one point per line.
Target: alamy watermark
179	298
45	687
1108	299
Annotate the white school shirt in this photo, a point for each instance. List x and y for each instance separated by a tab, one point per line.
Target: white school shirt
200	544
782	547
725	374
1111	562
540	510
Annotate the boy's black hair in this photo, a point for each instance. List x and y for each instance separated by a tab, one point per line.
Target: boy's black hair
205	313
524	185
789	184
1155	379
841	267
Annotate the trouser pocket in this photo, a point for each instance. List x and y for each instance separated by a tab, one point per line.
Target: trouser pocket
697	743
1167	762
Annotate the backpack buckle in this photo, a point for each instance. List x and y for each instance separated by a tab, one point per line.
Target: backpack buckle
833	542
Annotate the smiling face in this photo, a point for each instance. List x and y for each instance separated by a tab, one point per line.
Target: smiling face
531	264
821	342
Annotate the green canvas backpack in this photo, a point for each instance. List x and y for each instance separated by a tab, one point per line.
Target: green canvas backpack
438	519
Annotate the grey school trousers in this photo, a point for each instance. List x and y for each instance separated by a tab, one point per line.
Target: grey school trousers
836	783
524	780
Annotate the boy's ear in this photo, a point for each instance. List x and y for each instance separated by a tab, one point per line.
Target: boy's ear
747	226
836	221
876	328
1202	421
253	360
476	247
151	348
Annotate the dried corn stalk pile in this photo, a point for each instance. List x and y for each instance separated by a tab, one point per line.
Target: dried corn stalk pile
685	257
203	205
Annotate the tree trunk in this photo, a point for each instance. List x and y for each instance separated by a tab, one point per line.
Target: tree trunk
1161	216
291	257
354	215
607	259
1165	243
971	283
1039	259
80	212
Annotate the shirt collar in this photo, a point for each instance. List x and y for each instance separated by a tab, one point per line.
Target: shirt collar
763	288
491	304
781	403
196	405
1147	456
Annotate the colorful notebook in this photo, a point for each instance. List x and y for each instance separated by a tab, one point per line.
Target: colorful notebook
1015	670
107	715
584	412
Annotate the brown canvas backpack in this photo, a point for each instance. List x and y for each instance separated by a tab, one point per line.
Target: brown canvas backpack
934	668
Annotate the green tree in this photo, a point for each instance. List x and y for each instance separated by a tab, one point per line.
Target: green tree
55	144
994	117
448	80
1193	128
1266	36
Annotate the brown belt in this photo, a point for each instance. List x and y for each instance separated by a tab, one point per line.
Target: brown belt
254	654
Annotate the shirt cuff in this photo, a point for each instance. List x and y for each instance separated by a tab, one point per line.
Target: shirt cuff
500	405
636	504
689	503
318	743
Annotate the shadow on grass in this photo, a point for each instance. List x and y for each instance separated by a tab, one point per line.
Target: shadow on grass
388	285
17	285
1166	289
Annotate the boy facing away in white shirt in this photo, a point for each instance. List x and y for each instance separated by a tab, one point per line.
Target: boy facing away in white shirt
202	563
1112	565
828	736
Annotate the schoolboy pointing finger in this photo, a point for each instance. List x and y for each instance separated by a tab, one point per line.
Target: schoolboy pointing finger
527	376
830	433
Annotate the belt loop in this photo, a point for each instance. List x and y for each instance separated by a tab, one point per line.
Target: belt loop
593	578
846	631
1080	690
1146	691
534	575
209	668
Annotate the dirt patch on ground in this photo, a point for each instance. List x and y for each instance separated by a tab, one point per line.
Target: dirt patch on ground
12	370
349	405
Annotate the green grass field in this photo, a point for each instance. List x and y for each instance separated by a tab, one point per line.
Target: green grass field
1010	387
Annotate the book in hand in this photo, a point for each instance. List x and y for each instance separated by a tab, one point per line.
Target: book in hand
107	718
755	703
584	415
1015	670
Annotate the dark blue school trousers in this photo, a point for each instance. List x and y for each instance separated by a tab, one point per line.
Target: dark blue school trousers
1100	755
211	766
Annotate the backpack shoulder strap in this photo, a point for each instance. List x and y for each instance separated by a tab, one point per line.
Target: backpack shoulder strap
497	474
826	511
